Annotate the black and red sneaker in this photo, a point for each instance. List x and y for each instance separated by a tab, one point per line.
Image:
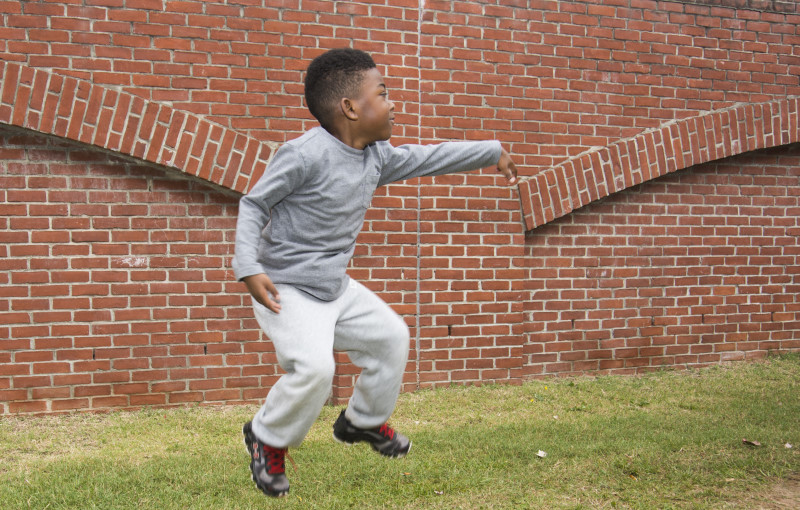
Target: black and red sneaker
384	439
267	464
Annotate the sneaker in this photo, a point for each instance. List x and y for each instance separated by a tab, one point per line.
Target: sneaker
383	439
267	464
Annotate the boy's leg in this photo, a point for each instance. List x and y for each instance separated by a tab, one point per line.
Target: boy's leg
376	339
303	338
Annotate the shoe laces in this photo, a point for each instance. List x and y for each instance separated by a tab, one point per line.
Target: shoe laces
276	462
386	431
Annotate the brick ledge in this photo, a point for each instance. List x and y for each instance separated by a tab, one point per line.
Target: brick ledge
79	110
597	173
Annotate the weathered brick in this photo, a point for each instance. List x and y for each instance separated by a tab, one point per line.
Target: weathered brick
592	99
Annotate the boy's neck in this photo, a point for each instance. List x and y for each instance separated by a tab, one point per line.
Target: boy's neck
348	137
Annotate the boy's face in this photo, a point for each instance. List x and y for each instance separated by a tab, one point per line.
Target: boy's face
376	111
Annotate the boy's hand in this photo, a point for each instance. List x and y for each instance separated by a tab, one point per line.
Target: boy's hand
507	167
264	291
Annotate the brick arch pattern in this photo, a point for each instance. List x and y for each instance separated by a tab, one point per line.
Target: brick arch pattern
78	110
600	172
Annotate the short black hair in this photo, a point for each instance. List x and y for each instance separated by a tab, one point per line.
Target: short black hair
331	76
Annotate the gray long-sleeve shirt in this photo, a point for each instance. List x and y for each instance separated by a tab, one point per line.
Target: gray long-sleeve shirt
299	223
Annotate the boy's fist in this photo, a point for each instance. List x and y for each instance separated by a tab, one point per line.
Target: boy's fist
264	291
507	167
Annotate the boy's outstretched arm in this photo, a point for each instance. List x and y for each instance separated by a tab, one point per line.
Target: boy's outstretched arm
507	167
264	291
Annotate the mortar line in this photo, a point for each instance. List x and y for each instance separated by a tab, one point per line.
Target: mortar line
420	10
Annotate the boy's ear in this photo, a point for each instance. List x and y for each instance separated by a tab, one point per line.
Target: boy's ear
348	108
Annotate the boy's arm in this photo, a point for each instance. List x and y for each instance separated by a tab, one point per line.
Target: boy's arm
409	161
252	219
283	175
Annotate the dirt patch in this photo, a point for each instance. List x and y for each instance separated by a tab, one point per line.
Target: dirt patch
785	495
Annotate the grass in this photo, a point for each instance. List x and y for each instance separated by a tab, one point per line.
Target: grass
664	440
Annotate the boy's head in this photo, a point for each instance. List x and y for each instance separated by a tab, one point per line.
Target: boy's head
332	76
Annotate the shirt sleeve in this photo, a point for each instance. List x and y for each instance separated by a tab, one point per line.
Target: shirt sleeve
283	175
410	161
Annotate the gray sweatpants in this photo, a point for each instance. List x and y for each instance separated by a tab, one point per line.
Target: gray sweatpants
305	333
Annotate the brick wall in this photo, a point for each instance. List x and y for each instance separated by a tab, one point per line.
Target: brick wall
656	224
696	267
117	289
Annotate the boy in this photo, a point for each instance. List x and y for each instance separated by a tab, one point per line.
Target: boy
295	235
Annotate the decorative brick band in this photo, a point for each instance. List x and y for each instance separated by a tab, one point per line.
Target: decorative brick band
78	110
757	5
559	190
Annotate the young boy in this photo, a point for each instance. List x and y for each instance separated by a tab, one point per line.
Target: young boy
294	238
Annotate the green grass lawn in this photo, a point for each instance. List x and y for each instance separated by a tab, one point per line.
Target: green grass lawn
665	440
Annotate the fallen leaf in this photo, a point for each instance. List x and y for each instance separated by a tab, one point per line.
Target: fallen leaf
750	443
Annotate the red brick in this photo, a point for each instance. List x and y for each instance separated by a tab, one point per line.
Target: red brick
185	397
27	407
109	402
479	273
148	400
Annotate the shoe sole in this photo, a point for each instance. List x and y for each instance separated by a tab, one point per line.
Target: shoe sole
247	432
391	456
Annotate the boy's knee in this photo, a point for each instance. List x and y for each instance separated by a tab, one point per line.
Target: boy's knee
318	372
401	336
395	327
405	334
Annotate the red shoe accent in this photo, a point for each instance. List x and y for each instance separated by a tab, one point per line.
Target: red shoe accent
386	431
276	459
